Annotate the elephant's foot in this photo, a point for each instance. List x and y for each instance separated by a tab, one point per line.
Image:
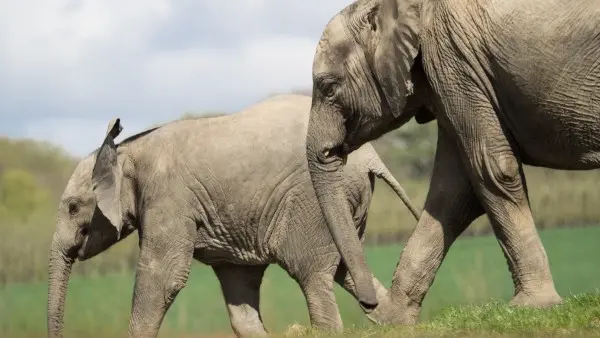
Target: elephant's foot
544	297
393	311
250	332
142	334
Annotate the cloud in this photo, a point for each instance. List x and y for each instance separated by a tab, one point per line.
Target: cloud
67	67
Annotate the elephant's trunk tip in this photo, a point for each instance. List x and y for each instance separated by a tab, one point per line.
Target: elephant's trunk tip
369	306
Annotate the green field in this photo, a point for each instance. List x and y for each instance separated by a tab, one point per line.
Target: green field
475	272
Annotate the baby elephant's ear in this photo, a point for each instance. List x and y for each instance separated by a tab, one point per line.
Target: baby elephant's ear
114	128
107	177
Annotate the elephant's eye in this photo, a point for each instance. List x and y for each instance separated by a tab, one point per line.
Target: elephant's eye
329	90
73	208
327	84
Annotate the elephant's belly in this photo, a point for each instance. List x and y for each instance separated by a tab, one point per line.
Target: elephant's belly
240	219
215	247
215	255
548	80
555	119
563	160
560	138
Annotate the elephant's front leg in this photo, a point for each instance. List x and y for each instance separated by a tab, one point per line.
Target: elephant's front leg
450	207
241	289
163	269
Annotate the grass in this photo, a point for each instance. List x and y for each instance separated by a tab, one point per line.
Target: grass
473	274
579	315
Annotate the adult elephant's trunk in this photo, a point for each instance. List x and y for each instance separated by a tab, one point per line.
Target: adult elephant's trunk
58	277
323	145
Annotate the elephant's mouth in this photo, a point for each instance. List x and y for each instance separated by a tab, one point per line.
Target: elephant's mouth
94	242
81	252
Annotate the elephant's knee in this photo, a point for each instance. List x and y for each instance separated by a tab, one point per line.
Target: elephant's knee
174	284
503	172
505	168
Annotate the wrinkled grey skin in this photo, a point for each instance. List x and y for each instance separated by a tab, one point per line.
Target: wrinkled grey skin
233	192
508	82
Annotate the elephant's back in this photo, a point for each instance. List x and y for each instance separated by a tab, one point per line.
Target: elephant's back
264	136
278	125
255	148
268	135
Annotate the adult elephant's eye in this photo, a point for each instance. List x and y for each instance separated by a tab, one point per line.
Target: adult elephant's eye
73	208
330	90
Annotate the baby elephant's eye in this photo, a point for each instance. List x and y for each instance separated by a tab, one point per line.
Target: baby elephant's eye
73	208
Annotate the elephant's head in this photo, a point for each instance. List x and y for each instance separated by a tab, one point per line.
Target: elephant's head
366	81
92	216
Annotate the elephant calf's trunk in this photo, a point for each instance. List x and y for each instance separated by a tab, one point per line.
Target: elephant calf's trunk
59	270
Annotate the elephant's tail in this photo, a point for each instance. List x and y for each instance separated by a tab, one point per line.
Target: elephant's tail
379	169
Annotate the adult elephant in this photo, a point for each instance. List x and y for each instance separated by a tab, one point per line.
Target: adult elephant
509	83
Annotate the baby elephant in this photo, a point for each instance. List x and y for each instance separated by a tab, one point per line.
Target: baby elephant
233	192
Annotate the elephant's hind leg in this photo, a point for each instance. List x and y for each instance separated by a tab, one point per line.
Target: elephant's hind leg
313	269
500	182
241	289
320	298
496	175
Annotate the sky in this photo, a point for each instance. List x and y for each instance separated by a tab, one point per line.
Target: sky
67	67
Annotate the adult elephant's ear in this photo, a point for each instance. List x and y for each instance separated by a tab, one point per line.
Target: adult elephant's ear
398	22
107	177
